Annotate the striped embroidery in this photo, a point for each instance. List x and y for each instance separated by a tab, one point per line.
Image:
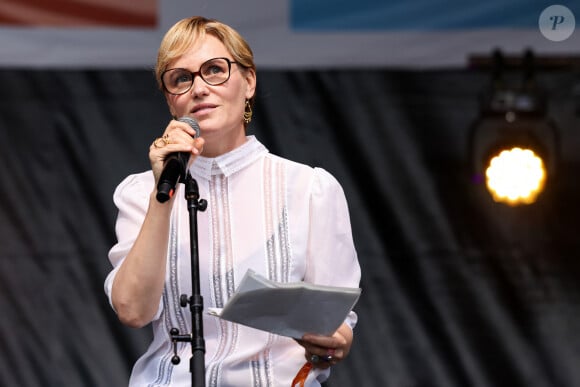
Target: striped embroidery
223	281
276	220
277	247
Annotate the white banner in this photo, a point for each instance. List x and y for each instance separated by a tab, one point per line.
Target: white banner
289	34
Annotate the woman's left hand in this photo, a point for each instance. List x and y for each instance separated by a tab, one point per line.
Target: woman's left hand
325	351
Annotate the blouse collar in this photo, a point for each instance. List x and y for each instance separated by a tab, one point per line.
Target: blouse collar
231	162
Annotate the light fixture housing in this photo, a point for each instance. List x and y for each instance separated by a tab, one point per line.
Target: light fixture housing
513	116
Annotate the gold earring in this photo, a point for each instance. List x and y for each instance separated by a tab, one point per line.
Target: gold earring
248	112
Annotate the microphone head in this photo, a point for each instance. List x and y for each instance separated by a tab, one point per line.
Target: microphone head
191	122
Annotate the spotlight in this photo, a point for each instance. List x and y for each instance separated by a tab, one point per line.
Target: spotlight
513	143
515	176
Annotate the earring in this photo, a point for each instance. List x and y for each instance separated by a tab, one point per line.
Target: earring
248	112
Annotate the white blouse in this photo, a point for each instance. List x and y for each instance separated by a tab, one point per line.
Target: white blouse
284	220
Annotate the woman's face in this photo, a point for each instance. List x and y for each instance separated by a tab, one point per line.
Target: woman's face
218	109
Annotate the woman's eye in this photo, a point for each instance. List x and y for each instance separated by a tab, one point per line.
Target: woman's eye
182	78
215	69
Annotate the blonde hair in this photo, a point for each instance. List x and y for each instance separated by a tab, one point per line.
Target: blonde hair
186	32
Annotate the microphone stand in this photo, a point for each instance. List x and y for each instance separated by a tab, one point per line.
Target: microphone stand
197	361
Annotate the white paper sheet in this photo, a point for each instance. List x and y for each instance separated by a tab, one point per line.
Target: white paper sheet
288	309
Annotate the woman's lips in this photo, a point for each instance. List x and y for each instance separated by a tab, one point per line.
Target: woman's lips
202	108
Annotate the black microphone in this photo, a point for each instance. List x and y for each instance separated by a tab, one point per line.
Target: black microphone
175	167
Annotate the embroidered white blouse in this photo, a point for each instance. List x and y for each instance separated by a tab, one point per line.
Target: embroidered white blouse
284	220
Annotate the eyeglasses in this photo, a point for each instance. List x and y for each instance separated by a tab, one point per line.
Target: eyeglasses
214	72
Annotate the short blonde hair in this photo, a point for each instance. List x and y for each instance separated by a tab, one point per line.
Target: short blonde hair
186	32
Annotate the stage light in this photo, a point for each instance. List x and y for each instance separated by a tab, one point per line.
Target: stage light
515	176
514	145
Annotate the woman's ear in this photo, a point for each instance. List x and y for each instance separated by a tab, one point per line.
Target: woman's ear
251	83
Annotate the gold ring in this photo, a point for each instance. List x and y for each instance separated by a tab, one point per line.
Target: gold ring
157	142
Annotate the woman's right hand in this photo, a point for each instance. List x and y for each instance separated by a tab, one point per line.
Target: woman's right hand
177	137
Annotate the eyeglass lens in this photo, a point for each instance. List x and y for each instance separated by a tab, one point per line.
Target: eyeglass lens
214	72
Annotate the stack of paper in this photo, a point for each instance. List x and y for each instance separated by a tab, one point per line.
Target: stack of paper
288	309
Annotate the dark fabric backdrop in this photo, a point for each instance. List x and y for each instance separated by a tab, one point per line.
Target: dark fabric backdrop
457	291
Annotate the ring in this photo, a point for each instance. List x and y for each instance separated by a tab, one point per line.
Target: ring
157	142
316	358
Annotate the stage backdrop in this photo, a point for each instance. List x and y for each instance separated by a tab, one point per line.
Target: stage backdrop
457	291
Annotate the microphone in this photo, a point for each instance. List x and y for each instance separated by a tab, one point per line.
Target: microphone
175	167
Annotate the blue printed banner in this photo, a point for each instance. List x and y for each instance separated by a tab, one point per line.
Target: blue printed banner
290	33
418	15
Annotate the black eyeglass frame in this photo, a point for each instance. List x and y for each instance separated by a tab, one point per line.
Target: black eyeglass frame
198	72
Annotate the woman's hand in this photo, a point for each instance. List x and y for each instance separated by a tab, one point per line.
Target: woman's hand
177	137
325	351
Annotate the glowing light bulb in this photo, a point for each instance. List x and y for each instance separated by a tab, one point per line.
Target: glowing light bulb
515	176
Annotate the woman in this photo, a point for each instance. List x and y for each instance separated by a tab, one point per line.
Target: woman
284	220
